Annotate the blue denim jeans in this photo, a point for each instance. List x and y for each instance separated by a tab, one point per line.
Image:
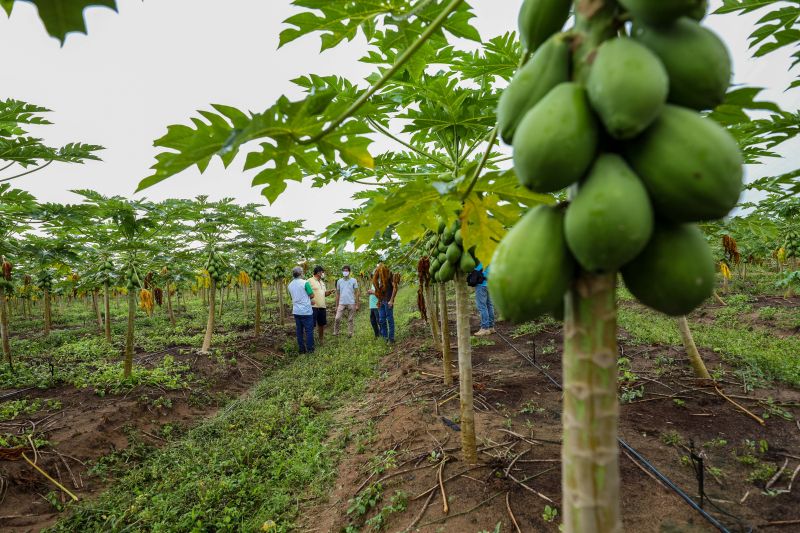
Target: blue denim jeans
304	325
485	307
386	321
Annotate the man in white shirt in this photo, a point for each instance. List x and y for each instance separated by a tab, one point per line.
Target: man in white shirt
347	301
302	302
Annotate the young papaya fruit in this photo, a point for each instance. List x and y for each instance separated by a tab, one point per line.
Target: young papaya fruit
627	86
675	272
691	166
467	263
660	12
610	220
696	60
556	141
447	271
447	237
548	67
532	266
442	258
458	238
539	19
453	253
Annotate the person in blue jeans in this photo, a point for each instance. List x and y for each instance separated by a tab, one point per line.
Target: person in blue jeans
483	301
302	301
386	291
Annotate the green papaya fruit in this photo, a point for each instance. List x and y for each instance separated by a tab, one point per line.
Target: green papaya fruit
453	254
696	60
699	12
556	141
442	258
691	166
539	19
467	263
442	226
610	220
447	271
435	265
675	272
660	12
548	67
532	267
457	237
442	247
447	237
627	86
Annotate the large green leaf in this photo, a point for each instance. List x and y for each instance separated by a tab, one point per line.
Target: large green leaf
61	17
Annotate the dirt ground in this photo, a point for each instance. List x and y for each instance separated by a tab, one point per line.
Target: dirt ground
408	417
89	426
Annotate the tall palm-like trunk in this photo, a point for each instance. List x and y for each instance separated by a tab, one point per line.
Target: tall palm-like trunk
107	307
170	312
257	329
281	310
447	356
212	297
433	317
699	367
129	333
468	445
589	453
4	330
96	307
48	317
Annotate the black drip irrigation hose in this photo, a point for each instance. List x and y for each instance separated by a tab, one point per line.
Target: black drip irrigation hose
644	462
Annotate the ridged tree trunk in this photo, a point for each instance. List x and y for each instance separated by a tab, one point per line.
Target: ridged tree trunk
468	444
257	329
699	367
281	310
222	300
212	297
96	307
589	453
5	333
433	318
129	333
447	356
107	307
48	316
170	311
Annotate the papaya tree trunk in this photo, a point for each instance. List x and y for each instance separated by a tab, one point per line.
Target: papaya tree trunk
257	329
447	356
4	330
433	318
281	310
128	368
468	445
589	453
170	312
212	297
221	300
107	307
245	290
48	317
96	307
699	367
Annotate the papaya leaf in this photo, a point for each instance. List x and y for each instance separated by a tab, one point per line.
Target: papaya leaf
480	228
61	17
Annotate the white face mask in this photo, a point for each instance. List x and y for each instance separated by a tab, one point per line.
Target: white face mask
322	275
345	273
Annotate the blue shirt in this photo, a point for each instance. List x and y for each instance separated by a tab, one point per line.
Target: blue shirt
485	271
300	291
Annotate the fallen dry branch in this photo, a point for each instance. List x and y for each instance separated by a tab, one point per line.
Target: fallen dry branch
445	506
511	513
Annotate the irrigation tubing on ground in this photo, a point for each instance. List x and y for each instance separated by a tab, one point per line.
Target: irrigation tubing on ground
642	460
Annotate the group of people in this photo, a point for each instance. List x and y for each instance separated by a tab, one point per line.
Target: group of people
309	305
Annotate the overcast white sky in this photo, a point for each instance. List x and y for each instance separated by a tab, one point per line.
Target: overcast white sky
155	63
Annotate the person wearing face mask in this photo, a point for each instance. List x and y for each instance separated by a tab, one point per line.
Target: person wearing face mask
317	282
347	296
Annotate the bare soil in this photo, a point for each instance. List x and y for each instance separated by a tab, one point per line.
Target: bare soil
89	426
410	414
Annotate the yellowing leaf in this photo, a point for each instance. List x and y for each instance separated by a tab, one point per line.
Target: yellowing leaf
479	228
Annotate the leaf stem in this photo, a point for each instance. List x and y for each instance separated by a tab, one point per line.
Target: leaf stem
423	153
25	173
482	164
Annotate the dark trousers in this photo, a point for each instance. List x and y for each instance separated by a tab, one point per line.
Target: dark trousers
386	321
304	325
373	319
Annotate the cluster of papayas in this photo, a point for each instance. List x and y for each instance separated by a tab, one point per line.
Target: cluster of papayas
107	268
447	255
259	271
626	129
215	266
45	280
791	244
132	279
5	275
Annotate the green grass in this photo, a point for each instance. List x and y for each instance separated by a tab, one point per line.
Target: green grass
757	349
247	467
